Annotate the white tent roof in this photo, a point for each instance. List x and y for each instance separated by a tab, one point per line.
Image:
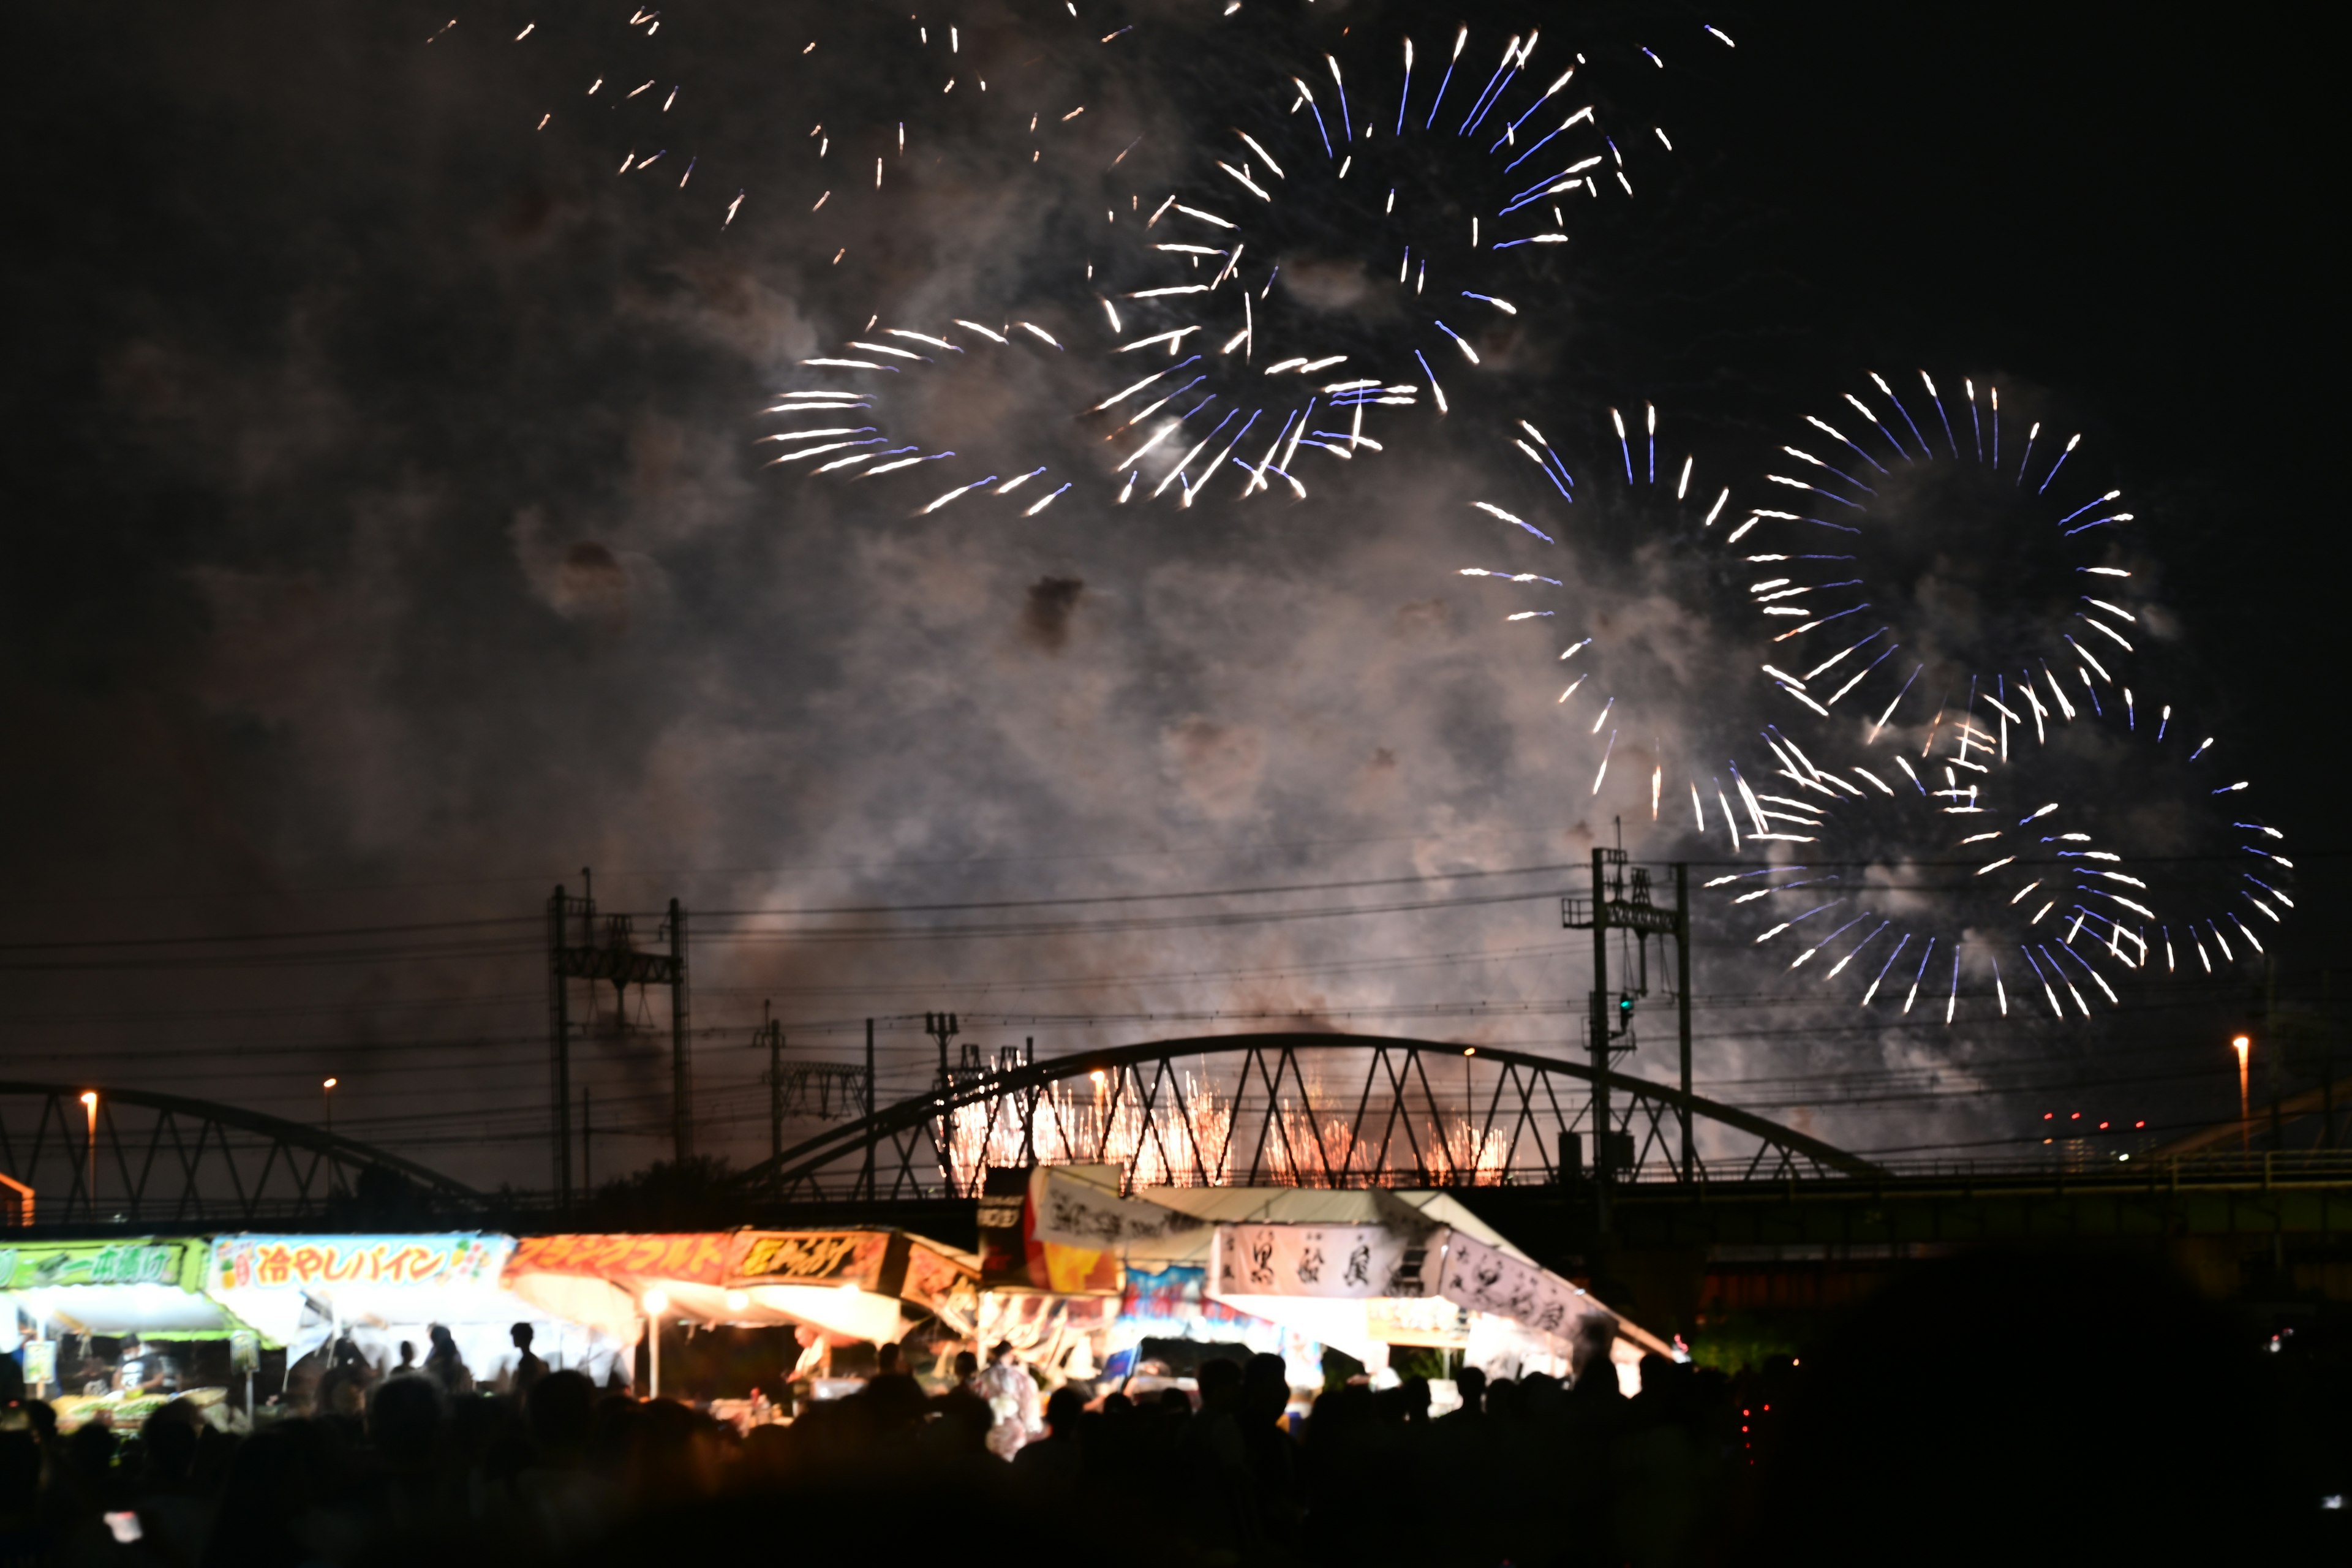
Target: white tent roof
1316	1206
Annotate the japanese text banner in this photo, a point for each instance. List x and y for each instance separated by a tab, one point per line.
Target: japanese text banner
1488	1280
1072	1212
696	1258
810	1256
1344	1261
303	1262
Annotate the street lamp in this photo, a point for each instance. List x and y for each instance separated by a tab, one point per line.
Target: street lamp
2242	1045
657	1302
327	1093
89	1106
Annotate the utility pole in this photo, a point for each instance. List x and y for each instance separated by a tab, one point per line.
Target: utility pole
869	1176
559	1039
1622	902
772	1034
681	1041
609	951
1601	1125
943	1027
1682	1006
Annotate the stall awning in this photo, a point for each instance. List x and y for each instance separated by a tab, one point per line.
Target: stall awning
851	1284
152	1287
271	1281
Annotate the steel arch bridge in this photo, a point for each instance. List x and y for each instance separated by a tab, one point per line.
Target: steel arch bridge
1300	1109
168	1159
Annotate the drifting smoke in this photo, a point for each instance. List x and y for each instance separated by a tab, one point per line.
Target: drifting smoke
441	554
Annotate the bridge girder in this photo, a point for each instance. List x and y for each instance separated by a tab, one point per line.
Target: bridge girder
1278	1109
169	1159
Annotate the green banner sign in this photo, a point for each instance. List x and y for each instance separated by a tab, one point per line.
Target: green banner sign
147	1260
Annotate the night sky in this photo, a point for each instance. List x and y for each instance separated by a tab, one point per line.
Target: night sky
388	541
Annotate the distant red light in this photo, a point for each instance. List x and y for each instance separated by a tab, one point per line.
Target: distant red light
2103	1127
2049	1115
2076	1117
2139	1124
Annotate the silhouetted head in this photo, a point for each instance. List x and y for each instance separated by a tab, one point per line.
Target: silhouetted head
1064	1410
1221	1384
404	1418
170	1438
1470	1382
1265	1388
887	1359
560	1407
522	1334
966	1365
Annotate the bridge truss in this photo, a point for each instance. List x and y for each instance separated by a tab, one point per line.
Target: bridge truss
1302	1109
164	1158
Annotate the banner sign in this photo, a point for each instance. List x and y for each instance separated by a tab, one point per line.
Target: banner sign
1014	1257
1488	1280
1073	1212
694	1257
146	1261
305	1262
1429	1321
1344	1261
942	1284
810	1256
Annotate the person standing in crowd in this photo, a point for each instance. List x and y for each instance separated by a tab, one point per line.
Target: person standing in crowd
528	1368
1470	1384
444	1365
1012	1396
1050	1469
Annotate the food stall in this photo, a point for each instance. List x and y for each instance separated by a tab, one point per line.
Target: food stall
301	1291
865	1284
146	1292
1358	1271
837	1287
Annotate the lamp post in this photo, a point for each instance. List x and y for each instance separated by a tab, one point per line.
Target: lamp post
657	1302
327	1097
2242	1045
89	1190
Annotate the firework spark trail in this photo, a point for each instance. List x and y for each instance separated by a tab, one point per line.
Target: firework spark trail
2070	838
1916	486
1223	306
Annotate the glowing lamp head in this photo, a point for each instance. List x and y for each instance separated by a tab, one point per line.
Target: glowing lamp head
1098	1075
330	1083
90	1099
655	1302
2242	1044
